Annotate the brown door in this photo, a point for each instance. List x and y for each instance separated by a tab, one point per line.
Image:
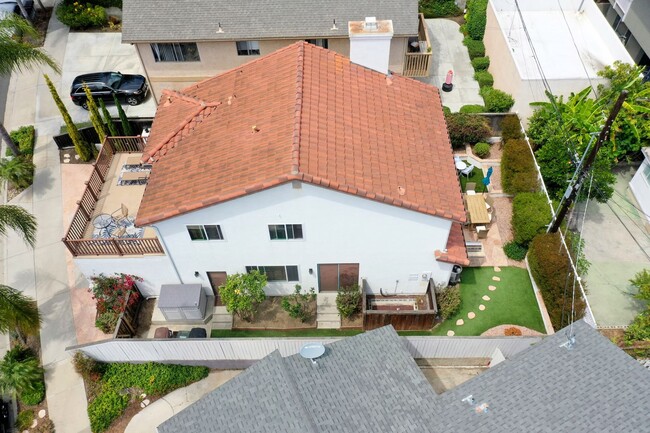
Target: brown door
333	276
217	279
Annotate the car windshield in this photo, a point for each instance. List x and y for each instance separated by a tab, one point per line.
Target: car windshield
114	80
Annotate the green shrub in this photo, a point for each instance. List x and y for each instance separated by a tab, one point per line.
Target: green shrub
242	293
496	101
24	419
639	329
463	29
472	109
106	322
480	63
19	353
446	110
81	16
449	301
549	265
348	300
297	304
151	378
531	214
476	19
518	172
474	48
32	397
24	138
439	8
511	128
484	78
105	408
481	149
515	251
87	367
467	128
19	171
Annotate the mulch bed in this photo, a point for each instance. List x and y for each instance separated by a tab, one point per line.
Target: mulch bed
498	331
353	322
270	315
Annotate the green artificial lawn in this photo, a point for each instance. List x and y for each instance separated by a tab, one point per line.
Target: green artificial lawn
476	177
512	303
224	333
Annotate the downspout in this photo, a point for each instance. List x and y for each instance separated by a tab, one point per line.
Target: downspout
164	245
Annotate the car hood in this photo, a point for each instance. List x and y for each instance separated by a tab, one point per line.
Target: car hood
131	82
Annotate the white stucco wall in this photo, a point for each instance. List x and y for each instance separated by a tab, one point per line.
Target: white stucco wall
390	243
640	187
155	270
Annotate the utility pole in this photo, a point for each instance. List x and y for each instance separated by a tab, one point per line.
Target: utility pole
584	166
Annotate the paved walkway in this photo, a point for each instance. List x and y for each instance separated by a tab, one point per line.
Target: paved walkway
449	53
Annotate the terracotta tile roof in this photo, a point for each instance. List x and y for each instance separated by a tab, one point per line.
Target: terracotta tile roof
456	252
302	113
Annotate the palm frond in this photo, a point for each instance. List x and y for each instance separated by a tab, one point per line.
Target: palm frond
18	311
21	221
16	55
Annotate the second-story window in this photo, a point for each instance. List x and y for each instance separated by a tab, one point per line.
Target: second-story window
318	42
185	52
248	48
205	232
285	231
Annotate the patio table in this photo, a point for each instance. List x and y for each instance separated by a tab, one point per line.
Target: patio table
460	165
478	213
102	221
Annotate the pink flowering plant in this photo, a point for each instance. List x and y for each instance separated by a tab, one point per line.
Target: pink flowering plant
113	294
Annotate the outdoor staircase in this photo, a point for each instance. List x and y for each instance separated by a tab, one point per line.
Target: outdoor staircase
327	316
221	319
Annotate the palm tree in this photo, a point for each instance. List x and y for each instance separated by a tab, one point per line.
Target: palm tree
19	376
18	313
21	221
16	55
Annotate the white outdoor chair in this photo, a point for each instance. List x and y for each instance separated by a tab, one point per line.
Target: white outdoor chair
467	171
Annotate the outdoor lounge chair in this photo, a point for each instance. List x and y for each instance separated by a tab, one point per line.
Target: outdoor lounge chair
467	171
120	214
470	188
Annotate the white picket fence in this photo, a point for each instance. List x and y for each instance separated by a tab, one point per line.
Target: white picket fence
252	349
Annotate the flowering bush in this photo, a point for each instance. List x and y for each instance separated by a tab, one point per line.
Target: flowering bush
80	16
113	294
243	293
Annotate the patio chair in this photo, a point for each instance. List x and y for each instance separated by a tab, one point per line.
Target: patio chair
470	186
118	232
120	214
467	171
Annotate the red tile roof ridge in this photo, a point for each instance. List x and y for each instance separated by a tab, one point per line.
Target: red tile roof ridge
300	76
455	251
183	96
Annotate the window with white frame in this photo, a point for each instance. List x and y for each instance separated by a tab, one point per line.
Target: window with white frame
248	48
276	273
646	171
175	52
285	231
205	232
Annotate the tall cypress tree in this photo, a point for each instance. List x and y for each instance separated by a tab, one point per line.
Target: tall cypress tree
85	151
95	117
109	121
126	126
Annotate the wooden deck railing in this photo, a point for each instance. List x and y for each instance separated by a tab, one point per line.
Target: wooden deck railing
74	238
417	64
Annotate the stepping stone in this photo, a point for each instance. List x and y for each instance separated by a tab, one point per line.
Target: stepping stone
496	279
143	396
450	333
41	413
486	298
459	322
481	307
34	424
497	269
471	315
145	403
492	288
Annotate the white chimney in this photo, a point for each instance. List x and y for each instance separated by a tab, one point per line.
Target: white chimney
370	43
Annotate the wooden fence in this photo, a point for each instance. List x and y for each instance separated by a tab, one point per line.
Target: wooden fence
74	238
63	141
127	323
213	351
417	64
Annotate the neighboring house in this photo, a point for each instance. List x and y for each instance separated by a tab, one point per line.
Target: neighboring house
630	19
559	45
640	184
370	383
181	43
303	165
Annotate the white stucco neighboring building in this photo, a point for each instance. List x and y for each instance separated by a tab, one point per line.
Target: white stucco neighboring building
564	43
640	184
302	165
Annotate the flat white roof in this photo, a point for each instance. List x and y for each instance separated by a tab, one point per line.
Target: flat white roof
569	43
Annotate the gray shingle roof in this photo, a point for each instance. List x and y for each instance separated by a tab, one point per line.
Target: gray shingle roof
370	383
198	20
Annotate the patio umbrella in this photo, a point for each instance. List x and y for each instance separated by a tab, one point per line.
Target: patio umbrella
486	179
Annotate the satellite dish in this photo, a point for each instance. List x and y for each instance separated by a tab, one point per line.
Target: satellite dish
312	351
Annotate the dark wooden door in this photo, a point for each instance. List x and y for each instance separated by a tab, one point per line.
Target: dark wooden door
217	279
335	275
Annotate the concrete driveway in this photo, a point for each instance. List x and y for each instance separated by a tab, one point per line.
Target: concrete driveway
617	245
98	52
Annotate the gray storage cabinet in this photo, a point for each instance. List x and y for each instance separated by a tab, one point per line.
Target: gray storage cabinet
182	302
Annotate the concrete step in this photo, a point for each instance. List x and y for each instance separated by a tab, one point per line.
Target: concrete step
329	325
220	310
219	325
328	317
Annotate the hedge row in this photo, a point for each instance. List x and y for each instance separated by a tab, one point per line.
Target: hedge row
518	172
466	129
549	265
476	19
531	214
439	8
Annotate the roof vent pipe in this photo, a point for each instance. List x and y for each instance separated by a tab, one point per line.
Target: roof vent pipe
370	24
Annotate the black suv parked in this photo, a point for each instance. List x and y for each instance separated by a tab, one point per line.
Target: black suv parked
130	88
5	423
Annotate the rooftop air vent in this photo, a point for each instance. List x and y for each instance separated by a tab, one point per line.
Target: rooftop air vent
370	24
